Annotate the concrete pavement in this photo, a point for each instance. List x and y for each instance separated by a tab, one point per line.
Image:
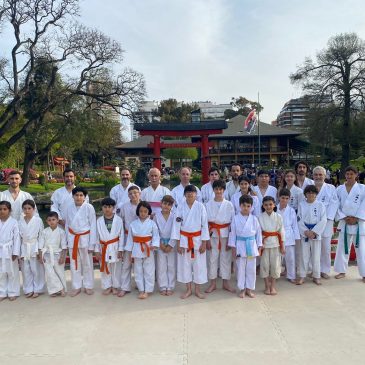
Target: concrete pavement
301	325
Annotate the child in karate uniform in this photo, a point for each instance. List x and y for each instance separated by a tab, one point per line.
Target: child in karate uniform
110	242
292	235
220	213
312	220
9	254
245	189
245	237
166	254
142	239
273	238
31	229
53	249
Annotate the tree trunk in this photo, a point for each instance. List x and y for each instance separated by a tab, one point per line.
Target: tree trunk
345	158
29	157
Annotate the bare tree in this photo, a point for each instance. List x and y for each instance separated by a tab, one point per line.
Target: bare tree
337	73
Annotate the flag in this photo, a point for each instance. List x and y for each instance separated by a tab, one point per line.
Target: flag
250	122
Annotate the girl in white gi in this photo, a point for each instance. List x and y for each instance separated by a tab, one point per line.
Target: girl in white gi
142	239
110	242
191	231
207	189
166	254
245	237
81	240
53	248
220	213
31	229
292	235
351	217
245	189
312	221
296	193
273	237
9	253
128	214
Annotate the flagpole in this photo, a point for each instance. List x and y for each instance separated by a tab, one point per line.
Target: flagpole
258	126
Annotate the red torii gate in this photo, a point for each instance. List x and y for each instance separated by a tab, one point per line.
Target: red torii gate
200	128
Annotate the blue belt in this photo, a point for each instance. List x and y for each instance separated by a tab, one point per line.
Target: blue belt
310	227
165	241
247	241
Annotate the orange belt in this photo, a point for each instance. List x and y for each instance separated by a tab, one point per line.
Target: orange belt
190	236
218	227
75	249
267	234
143	242
104	266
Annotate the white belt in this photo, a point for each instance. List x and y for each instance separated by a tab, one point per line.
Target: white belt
29	245
51	253
7	247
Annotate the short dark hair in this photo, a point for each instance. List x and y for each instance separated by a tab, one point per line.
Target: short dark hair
52	215
79	189
29	202
236	164
125	168
284	192
108	201
268	199
310	189
190	189
6	203
352	168
145	205
66	171
243	178
14	172
246	199
212	169
220	184
301	163
263	172
133	187
168	199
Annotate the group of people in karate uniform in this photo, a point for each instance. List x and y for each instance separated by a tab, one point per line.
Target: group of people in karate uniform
189	235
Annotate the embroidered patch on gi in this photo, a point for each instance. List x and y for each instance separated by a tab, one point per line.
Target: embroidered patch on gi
178	219
118	210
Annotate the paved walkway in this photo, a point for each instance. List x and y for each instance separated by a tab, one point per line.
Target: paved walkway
302	325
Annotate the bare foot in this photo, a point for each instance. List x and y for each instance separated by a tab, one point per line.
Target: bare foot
242	294
273	291
317	281
29	295
122	293
227	287
2	298
89	291
325	276
115	291
211	288
62	293
75	292
54	295
169	292
267	291
340	275
292	281
163	292
283	273
35	295
249	293
12	299
142	295
199	294
300	281
187	294
107	291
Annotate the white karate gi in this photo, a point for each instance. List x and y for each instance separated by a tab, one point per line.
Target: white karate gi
154	197
296	196
193	219
114	265
270	191
307	181
9	245
16	205
80	220
270	265
178	194
256	206
220	213
291	235
207	192
128	214
351	204
328	197
32	269
52	244
231	189
166	262
144	265
120	195
314	213
246	237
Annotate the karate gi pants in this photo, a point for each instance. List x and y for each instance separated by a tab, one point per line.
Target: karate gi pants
55	274
166	270
144	273
310	253
113	279
342	260
126	271
192	269
326	255
246	273
9	282
290	262
83	277
33	276
270	265
219	259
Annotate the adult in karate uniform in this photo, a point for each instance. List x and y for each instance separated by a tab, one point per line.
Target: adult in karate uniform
263	188
302	169
233	185
207	189
351	217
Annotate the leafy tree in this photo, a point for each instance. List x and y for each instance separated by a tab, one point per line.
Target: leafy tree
337	73
241	106
171	111
181	154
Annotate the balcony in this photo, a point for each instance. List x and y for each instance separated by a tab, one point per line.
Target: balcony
244	150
